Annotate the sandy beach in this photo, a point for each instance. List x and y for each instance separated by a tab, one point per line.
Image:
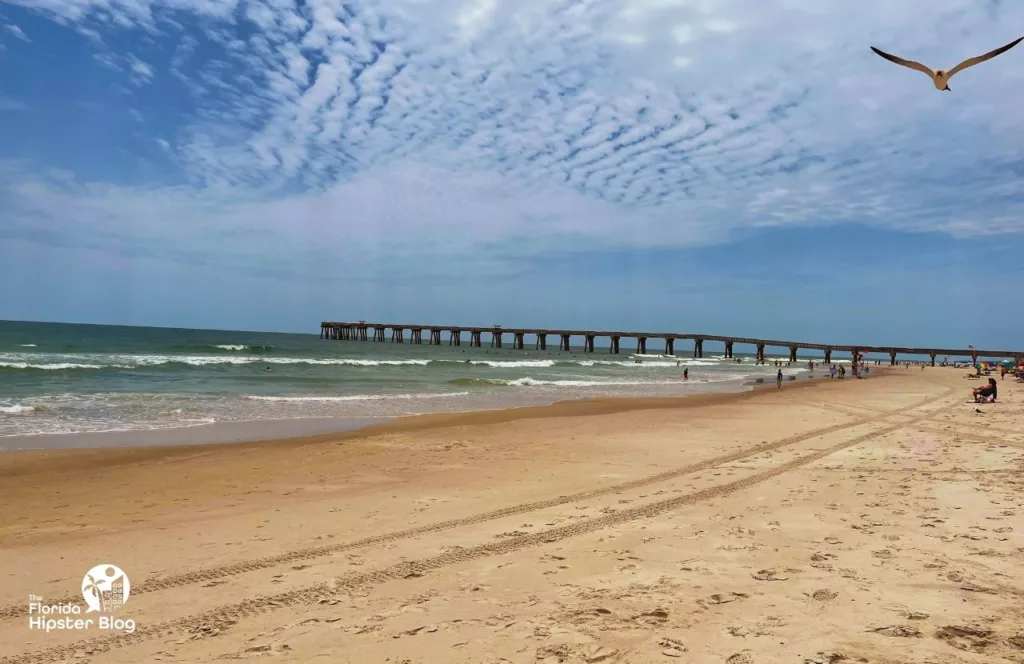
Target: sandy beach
877	520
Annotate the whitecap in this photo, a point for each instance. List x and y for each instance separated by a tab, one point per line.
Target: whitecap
56	366
535	382
17	409
511	364
362	397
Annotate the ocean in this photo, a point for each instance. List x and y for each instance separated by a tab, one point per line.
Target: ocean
69	378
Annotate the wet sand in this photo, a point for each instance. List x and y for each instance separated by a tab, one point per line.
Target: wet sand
830	521
200	434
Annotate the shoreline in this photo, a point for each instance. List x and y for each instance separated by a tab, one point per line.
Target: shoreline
236	432
208	433
406	424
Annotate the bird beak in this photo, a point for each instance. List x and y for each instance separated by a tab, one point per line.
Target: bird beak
947	89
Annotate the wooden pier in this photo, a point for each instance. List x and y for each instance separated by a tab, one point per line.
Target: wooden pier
452	335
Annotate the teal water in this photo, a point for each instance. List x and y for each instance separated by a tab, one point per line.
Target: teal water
65	378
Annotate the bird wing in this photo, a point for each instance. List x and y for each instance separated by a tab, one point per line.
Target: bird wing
982	58
906	63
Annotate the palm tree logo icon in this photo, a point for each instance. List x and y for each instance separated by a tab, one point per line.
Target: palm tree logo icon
105	588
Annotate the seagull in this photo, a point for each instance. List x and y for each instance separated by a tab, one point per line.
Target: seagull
940	77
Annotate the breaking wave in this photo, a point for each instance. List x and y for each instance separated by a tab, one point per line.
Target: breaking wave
17	409
535	382
362	397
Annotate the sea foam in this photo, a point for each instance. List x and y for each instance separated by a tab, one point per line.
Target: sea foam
17	409
361	397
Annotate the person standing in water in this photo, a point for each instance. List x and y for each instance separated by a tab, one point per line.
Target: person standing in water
778	379
686	373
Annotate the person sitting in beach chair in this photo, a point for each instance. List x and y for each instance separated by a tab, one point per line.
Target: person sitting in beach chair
987	393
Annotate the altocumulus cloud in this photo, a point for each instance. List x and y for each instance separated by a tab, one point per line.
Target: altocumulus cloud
331	130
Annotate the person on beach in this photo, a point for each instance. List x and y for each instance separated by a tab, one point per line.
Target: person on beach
686	373
986	393
778	379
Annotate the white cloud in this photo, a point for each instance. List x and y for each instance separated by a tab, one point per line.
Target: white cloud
17	32
457	126
141	71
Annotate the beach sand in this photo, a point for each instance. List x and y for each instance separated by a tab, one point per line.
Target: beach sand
878	520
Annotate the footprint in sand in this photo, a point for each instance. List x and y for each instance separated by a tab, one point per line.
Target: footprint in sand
968	639
740	658
598	653
819	560
824	595
721	598
671	647
653	617
769	575
898	631
826	658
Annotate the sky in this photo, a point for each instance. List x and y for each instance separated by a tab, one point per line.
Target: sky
700	166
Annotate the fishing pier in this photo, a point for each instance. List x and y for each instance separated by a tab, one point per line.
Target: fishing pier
456	335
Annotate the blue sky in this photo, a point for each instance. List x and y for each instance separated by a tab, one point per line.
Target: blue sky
722	166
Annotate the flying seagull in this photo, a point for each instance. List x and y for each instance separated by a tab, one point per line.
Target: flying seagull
940	77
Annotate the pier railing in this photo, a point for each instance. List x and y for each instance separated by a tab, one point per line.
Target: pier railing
452	335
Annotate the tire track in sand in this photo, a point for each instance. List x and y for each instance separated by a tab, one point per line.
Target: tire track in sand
224	617
297	555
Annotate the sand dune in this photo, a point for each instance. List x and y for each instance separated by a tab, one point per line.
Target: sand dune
831	521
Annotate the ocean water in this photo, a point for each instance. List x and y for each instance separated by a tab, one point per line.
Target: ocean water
64	378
